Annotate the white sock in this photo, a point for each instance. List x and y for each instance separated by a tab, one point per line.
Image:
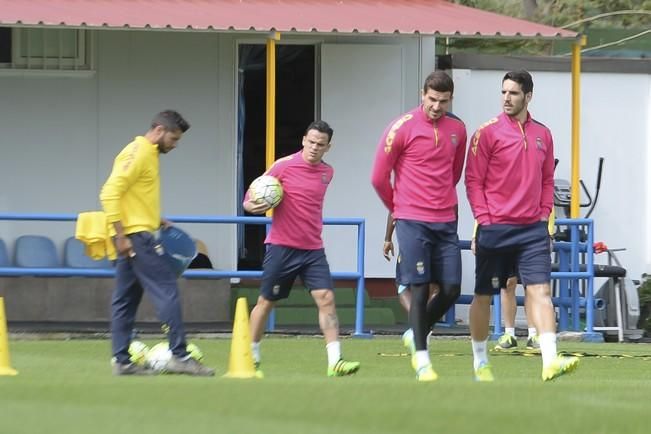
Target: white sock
408	335
547	347
510	331
422	359
479	353
334	352
429	337
532	332
255	351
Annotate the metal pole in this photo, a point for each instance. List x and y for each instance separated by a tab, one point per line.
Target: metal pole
589	310
361	290
497	315
576	122
270	152
563	285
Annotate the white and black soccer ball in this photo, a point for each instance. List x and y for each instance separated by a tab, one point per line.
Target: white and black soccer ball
266	188
158	356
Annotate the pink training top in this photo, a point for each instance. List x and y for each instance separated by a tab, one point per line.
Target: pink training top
426	158
298	220
510	171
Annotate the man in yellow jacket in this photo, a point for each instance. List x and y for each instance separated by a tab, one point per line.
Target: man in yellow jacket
131	200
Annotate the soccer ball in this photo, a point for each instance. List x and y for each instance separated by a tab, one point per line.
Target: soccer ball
138	352
266	188
158	356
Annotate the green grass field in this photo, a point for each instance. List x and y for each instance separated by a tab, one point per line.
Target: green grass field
66	387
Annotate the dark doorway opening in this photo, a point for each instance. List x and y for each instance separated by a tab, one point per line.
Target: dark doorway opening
5	45
295	109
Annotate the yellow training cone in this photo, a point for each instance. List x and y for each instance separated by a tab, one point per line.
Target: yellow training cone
240	364
5	365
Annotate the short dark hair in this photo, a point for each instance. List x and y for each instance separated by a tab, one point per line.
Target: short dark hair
523	78
322	127
439	81
171	120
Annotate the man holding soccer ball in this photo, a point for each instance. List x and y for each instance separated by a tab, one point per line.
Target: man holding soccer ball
294	243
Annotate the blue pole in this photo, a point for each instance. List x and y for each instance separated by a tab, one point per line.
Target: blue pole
563	267
449	317
497	315
271	320
361	290
574	284
589	311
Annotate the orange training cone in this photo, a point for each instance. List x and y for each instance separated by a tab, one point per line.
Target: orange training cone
5	365
240	364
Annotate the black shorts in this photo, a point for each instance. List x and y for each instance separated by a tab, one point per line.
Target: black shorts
501	249
429	252
282	264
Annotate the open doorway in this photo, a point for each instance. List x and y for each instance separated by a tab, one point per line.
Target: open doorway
295	109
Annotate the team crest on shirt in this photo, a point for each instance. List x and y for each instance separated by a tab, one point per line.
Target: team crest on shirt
324	178
539	143
420	267
454	139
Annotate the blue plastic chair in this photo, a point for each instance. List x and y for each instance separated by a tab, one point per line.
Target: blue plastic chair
74	256
4	257
35	251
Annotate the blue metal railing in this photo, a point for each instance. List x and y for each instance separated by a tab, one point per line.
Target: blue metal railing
569	300
204	274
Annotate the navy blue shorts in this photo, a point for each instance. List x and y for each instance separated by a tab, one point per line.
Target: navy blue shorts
501	249
429	252
282	264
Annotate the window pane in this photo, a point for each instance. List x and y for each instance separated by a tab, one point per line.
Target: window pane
31	42
48	43
68	44
5	45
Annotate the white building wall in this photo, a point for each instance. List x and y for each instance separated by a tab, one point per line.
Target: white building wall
140	73
363	90
60	135
615	119
49	149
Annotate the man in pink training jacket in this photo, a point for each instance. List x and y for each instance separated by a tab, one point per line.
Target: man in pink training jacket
294	244
425	149
510	183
